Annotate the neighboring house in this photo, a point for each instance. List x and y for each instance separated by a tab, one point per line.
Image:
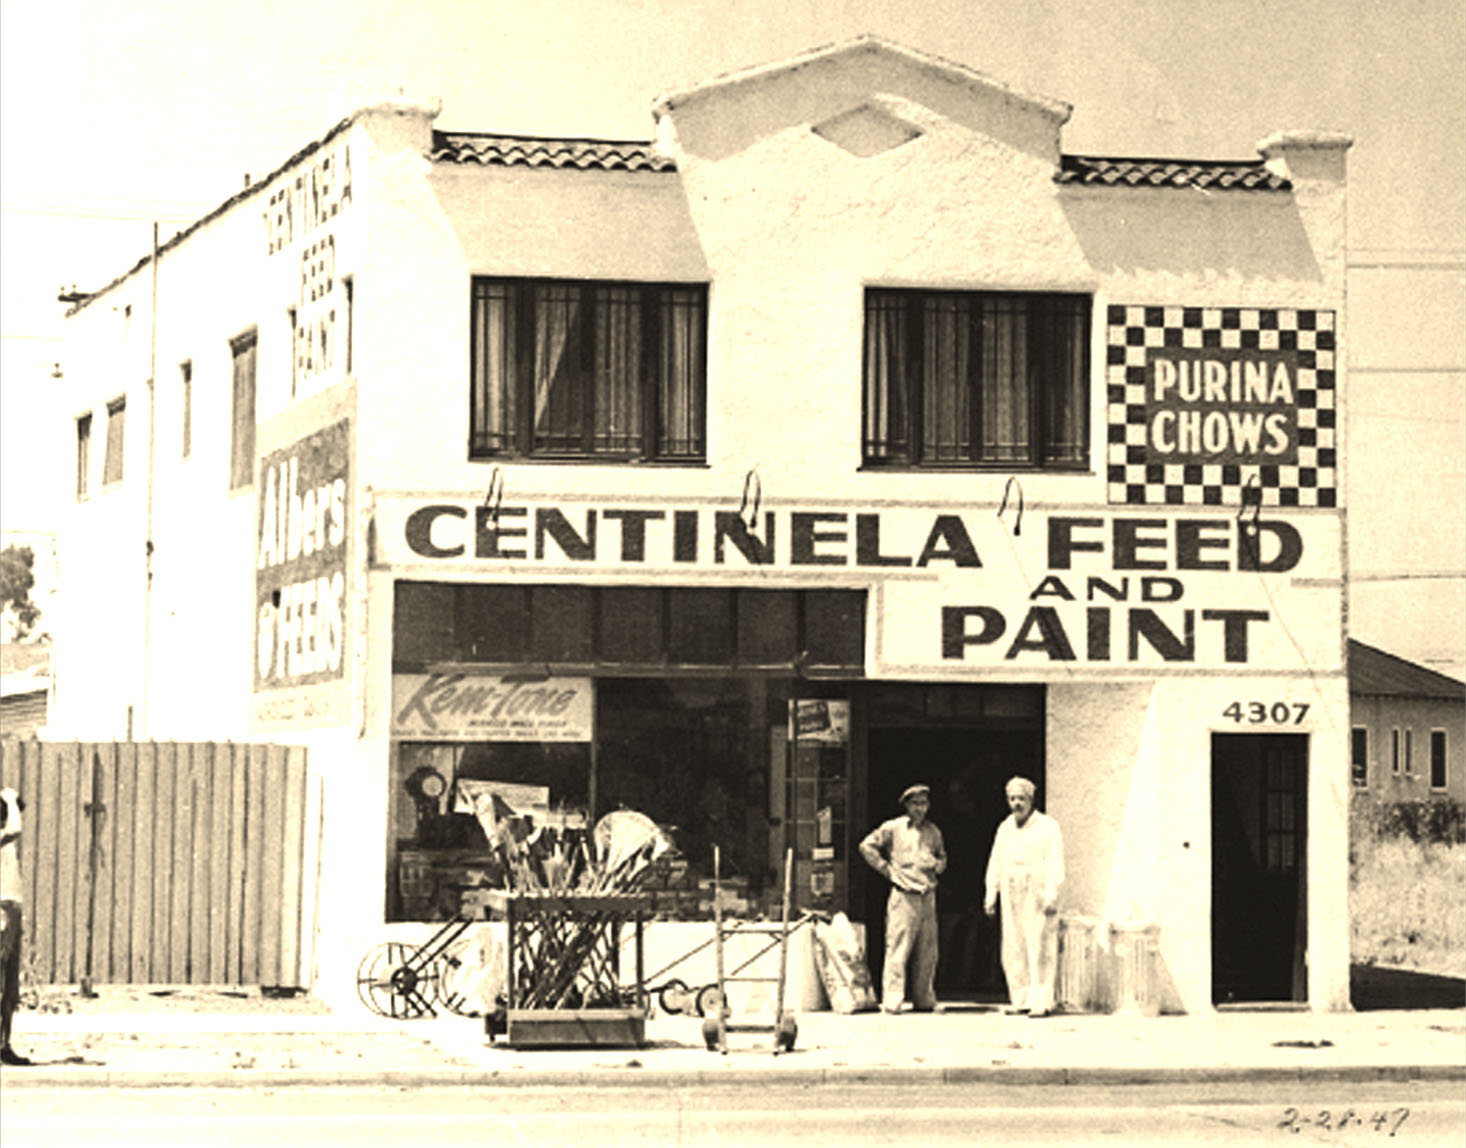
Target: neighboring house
25	688
1408	728
849	433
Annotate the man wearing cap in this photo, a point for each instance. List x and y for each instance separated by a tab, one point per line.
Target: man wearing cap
1024	872
908	851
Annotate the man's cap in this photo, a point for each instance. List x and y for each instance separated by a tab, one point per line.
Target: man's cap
915	791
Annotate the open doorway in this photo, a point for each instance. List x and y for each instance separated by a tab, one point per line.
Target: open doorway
967	769
1259	883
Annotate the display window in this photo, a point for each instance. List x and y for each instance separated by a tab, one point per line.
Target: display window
715	761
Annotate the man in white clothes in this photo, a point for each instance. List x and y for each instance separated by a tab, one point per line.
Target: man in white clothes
908	851
1024	873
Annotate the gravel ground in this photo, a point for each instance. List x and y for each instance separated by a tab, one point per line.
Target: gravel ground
150	999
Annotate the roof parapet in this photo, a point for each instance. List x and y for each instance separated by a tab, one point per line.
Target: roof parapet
1306	154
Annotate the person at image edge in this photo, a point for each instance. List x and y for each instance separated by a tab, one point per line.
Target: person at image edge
11	897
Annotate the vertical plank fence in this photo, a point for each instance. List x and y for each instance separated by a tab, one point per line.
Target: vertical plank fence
165	862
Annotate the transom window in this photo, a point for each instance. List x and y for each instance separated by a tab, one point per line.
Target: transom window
976	378
581	369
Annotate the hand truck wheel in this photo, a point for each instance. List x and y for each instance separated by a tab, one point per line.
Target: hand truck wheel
710	1001
786	1032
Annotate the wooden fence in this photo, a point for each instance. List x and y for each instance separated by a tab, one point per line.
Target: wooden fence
165	862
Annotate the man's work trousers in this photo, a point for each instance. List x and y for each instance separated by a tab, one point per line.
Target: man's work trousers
911	945
1030	944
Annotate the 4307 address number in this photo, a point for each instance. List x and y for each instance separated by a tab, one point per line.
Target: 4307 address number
1263	713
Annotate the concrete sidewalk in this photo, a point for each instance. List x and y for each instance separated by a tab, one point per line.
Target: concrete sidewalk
963	1043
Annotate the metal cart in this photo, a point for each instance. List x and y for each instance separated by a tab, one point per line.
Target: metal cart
716	1026
565	983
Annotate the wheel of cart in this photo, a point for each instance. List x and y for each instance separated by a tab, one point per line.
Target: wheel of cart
404	981
715	1025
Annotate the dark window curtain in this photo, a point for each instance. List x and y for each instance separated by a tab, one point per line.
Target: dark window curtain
495	326
1066	346
886	382
618	370
680	383
559	382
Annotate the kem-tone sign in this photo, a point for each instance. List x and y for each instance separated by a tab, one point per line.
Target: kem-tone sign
490	707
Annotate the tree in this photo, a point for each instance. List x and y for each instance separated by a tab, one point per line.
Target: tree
17	579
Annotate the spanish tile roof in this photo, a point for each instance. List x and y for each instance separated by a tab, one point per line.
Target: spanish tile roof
529	151
1377	673
1207	175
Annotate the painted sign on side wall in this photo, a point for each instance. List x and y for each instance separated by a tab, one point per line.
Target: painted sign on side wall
1208	402
302	530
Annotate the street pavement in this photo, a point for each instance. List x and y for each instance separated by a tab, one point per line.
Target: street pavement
212	1047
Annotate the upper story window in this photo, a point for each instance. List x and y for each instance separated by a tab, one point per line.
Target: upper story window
116	427
242	432
976	378
83	455
578	369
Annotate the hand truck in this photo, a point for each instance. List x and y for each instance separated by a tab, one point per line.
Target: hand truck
715	1028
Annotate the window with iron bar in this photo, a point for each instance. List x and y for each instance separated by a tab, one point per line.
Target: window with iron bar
975	379
588	369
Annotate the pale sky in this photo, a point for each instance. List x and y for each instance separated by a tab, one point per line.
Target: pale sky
114	115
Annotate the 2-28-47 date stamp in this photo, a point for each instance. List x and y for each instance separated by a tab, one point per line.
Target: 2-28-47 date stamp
1387	1121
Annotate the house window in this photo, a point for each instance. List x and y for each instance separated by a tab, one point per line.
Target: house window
116	425
83	455
1395	751
1410	752
976	378
1359	756
1437	759
242	437
571	369
185	371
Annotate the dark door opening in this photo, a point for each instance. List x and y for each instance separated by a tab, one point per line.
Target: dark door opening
967	769
1259	884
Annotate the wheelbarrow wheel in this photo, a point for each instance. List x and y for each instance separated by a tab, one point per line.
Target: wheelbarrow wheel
786	1032
389	984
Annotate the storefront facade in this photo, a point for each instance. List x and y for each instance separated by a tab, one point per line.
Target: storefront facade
848	436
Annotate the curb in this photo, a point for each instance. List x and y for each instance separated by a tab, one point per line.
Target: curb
747	1078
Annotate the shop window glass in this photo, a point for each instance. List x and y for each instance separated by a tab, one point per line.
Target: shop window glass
435	850
422	626
493	623
630	625
768	627
561	623
834	627
700	627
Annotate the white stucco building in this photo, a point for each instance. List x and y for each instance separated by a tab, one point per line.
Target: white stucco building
849	433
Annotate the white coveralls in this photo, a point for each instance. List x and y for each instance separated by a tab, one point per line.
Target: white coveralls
1024	872
912	857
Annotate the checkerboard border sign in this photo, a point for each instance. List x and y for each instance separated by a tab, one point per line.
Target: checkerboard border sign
1134	479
